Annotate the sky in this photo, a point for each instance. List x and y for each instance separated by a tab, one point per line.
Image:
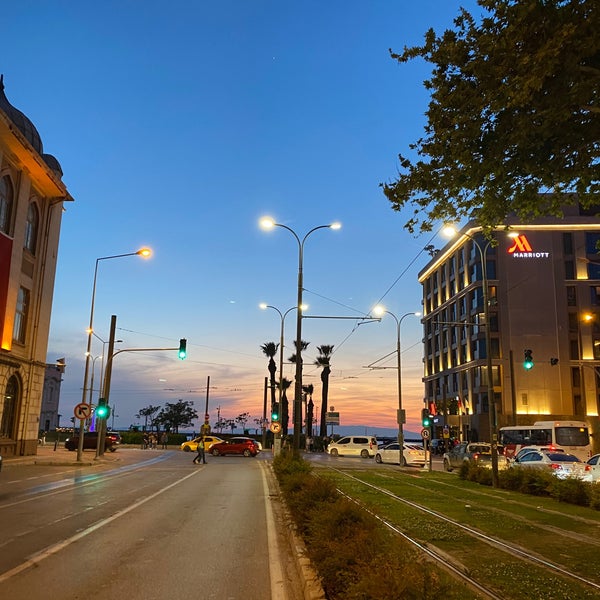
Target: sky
178	126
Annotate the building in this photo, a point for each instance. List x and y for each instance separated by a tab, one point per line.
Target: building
32	196
543	299
49	417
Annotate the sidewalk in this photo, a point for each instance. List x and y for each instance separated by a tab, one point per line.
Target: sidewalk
47	455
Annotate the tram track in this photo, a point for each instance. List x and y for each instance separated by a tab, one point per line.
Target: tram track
452	564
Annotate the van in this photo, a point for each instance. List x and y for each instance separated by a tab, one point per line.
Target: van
364	446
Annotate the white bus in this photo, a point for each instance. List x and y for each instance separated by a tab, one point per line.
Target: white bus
571	436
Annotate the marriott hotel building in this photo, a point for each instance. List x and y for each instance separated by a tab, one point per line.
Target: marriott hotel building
543	296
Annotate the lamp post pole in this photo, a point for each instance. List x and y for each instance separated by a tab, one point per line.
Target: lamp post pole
145	252
401	416
269	223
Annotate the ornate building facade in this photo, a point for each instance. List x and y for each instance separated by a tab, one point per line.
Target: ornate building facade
32	195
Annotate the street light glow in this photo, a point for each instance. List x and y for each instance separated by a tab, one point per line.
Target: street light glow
267	222
145	252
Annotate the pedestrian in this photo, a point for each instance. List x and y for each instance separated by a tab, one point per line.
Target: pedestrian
145	441
164	440
201	456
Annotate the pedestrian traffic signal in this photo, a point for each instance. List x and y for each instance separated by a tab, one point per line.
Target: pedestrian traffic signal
425	418
102	410
528	360
275	412
182	349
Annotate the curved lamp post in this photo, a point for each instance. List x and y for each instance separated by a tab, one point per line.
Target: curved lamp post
269	223
450	231
380	310
145	253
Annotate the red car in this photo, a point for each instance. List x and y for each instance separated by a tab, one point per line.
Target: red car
236	445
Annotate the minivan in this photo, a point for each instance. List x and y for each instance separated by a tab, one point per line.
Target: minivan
354	445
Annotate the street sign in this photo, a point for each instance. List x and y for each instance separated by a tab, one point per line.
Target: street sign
425	433
83	411
275	427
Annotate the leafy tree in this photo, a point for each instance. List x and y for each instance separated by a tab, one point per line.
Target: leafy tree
242	419
323	360
512	124
148	414
285	405
270	350
308	390
180	414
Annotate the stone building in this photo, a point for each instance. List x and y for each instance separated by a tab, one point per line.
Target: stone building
32	195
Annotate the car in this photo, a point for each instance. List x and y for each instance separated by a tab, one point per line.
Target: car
90	441
192	445
593	473
413	455
560	464
235	445
364	446
476	453
526	449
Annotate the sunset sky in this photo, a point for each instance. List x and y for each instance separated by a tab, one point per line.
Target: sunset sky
178	130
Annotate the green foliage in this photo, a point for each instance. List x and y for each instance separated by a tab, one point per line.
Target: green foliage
174	416
513	112
356	558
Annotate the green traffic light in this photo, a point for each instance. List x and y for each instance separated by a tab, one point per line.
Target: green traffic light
182	349
275	412
528	360
102	410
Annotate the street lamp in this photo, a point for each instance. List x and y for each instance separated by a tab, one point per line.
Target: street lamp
450	232
145	253
269	223
380	310
103	354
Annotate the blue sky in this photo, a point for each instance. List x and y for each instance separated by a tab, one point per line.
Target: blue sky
178	130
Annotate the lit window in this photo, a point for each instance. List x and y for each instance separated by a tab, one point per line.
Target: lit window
20	325
6	202
31	228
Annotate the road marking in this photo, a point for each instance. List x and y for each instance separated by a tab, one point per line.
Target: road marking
278	591
54	549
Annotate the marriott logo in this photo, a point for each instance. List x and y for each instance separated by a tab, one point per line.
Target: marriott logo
523	249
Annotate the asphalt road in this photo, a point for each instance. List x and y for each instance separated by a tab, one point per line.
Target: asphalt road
143	524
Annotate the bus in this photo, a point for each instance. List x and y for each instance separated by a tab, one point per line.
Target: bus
571	436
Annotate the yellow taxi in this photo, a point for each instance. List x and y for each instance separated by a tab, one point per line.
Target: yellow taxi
192	445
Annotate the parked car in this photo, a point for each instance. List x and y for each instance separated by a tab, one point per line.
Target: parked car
354	445
90	441
593	474
235	445
413	455
477	453
526	449
561	464
192	445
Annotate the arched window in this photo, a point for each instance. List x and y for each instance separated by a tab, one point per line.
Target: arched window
31	228
8	409
20	324
6	203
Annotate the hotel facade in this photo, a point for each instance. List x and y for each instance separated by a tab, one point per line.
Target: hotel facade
543	298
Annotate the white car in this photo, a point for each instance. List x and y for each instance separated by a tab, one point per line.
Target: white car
354	445
560	464
593	473
413	455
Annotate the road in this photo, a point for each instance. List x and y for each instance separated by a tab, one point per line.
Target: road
144	524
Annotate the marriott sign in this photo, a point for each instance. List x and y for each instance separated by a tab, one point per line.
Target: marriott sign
522	249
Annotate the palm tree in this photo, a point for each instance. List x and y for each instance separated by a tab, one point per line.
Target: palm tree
323	360
308	390
270	350
284	408
292	359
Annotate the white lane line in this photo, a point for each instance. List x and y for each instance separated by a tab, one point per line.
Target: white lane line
43	554
278	591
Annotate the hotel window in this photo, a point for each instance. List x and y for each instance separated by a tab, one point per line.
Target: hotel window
490	265
6	203
573	350
591	243
596	346
31	228
573	322
20	326
569	269
593	270
575	377
595	295
567	243
571	295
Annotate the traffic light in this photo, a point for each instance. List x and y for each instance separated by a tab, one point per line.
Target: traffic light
275	412
528	360
425	418
182	349
102	410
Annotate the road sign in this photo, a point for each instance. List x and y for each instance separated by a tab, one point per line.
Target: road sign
83	411
275	427
425	433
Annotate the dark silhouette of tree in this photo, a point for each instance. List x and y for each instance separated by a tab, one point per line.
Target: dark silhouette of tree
270	350
308	390
148	414
323	361
285	405
513	121
174	416
303	346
